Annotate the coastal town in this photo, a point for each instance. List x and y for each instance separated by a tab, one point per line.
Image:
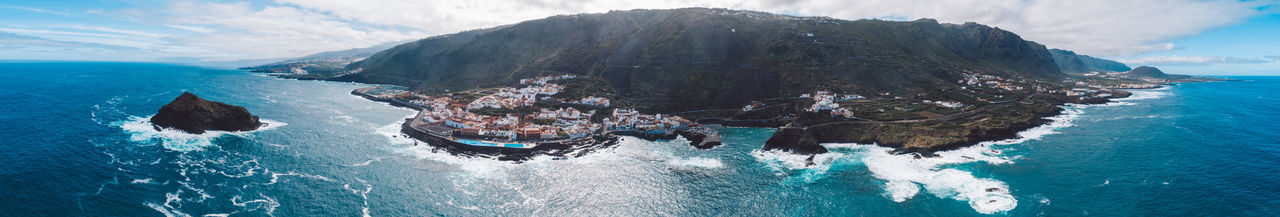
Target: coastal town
538	114
510	118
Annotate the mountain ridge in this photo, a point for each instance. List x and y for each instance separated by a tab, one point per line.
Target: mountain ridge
699	58
320	65
1070	62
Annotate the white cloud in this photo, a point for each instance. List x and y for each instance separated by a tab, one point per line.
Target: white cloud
18	46
35	10
24	41
241	31
1195	60
90	36
191	28
1094	27
219	31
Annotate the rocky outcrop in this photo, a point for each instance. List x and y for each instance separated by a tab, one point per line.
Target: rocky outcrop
910	137
701	139
794	140
193	114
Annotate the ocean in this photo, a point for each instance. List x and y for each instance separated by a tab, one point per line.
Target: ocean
76	143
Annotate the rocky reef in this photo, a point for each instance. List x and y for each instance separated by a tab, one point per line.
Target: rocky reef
795	140
193	114
701	138
923	137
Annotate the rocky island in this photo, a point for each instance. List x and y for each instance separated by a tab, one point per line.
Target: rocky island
917	86
196	115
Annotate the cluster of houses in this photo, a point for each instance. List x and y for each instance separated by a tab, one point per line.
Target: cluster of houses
1127	86
456	119
443	116
826	100
981	80
630	119
543	81
830	102
513	98
434	103
945	104
593	101
546	124
753	106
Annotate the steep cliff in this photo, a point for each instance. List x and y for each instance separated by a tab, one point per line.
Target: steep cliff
1070	62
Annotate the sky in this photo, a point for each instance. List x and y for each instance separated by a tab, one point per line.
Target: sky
1196	37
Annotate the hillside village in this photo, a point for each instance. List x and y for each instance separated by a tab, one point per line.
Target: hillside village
508	117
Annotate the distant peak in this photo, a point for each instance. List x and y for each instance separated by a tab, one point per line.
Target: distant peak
1148	71
926	20
187	96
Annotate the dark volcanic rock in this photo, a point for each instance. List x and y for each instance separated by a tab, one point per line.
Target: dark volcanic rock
794	140
701	139
905	137
192	114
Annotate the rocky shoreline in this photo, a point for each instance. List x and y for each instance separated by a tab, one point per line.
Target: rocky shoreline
554	149
922	137
807	140
701	139
797	140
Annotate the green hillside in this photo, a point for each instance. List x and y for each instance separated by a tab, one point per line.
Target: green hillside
698	58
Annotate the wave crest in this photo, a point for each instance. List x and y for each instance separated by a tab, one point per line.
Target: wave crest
696	162
141	130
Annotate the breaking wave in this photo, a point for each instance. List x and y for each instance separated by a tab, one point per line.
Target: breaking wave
1146	94
141	130
393	134
800	168
906	175
696	162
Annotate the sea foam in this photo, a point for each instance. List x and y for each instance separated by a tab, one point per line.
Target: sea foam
905	175
141	130
1146	94
393	134
984	195
403	144
800	168
696	162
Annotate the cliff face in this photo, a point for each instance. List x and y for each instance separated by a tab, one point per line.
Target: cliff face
1070	62
193	114
794	140
697	58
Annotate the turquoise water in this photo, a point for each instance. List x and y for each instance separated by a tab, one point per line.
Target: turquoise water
75	143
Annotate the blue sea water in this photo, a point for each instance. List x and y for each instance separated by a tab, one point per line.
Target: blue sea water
75	142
